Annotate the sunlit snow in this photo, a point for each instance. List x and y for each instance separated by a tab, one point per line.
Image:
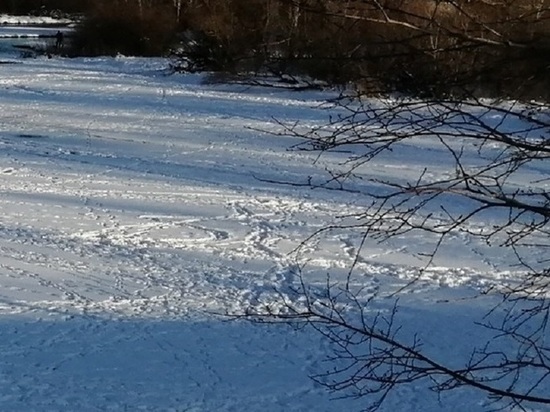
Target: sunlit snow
136	204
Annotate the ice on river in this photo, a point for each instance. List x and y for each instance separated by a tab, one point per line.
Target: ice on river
136	203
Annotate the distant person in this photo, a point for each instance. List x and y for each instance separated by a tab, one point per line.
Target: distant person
59	37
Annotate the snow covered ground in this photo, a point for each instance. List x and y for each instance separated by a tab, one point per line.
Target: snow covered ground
37	33
7	19
136	204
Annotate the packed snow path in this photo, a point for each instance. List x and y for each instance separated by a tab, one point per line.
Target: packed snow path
134	205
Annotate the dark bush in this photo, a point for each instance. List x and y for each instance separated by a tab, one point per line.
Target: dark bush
124	29
43	6
198	51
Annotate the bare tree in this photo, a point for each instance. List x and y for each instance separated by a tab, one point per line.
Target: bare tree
497	152
514	363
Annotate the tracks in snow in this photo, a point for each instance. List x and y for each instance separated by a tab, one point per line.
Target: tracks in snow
130	193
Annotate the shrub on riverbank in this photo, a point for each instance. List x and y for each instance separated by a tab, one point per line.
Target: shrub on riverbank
23	7
124	29
417	47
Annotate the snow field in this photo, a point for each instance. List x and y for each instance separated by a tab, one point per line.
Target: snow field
137	204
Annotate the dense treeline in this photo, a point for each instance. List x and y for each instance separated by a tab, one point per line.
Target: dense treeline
484	47
43	6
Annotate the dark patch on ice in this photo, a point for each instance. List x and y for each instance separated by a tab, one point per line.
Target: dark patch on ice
31	136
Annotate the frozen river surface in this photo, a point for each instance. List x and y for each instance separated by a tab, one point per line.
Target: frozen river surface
136	204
